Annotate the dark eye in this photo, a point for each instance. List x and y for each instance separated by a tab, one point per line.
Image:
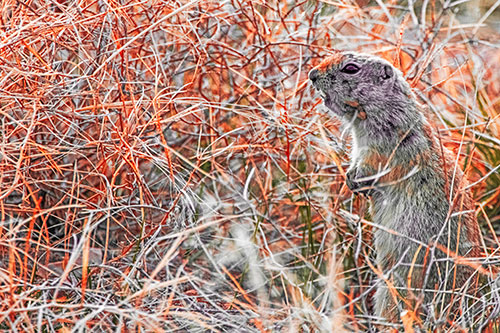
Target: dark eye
350	69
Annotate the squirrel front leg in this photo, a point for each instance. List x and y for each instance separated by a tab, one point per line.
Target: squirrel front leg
357	182
372	171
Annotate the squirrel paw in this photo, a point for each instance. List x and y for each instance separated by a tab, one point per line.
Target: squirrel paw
362	187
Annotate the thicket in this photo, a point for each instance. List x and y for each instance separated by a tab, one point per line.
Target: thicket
166	166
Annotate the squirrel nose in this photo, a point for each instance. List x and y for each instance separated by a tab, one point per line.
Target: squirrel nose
313	75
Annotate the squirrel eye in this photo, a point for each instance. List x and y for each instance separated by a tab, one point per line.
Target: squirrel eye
350	69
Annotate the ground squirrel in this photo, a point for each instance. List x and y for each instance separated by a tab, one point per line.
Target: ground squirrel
418	192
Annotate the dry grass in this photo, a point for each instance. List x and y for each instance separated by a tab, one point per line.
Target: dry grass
164	165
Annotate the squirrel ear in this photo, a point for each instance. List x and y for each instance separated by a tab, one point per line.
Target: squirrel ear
388	72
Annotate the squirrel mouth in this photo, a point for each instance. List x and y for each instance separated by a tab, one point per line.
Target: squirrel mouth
330	104
326	97
322	94
347	108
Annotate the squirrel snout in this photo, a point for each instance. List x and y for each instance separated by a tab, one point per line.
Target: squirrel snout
313	75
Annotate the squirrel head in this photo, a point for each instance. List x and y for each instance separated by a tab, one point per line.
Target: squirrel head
359	87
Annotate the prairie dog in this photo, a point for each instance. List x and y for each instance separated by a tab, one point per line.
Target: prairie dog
418	193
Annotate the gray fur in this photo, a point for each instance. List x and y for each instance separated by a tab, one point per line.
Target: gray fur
415	205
